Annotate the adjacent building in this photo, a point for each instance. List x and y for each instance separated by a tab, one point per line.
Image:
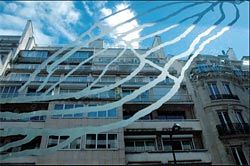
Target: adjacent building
211	106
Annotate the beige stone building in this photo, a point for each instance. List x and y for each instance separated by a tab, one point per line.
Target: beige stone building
211	107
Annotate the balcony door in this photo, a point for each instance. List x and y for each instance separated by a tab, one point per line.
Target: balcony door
214	91
240	120
239	156
225	120
227	89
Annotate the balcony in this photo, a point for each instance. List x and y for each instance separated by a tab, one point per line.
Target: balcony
233	129
224	96
204	69
24	124
194	156
193	124
153	98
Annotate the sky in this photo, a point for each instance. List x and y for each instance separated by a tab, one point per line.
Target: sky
58	23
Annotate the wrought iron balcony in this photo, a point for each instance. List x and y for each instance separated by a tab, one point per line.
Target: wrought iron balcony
224	96
233	129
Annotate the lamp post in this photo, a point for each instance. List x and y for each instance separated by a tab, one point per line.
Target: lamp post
175	129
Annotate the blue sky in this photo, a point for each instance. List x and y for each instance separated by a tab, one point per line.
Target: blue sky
62	22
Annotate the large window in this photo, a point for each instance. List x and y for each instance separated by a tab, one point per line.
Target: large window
213	89
140	145
69	115
183	144
227	89
55	140
112	113
239	116
225	119
18	77
34	54
79	56
8	91
238	155
101	141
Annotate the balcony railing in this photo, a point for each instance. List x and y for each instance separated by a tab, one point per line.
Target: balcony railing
152	98
224	96
233	129
222	69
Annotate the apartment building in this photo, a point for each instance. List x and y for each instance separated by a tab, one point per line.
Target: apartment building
214	125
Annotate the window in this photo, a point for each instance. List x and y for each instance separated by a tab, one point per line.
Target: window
8	91
101	141
213	89
184	144
227	89
55	140
91	141
166	115
18	77
139	145
238	155
112	113
79	56
76	79
225	119
239	117
67	106
160	91
34	54
38	118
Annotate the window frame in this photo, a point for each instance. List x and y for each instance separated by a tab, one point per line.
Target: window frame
239	159
212	90
181	143
66	147
226	88
106	142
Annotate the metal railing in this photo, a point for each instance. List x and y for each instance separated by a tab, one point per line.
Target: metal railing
220	68
233	129
152	98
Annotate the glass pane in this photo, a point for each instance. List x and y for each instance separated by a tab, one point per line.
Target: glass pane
69	106
63	138
177	145
239	117
101	114
76	143
68	116
112	113
112	141
227	88
101	141
242	156
187	145
237	160
53	140
167	145
216	90
12	89
92	114
91	141
139	146
78	115
150	145
58	106
78	105
34	118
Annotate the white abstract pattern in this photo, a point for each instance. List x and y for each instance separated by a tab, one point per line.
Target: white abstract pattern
197	45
